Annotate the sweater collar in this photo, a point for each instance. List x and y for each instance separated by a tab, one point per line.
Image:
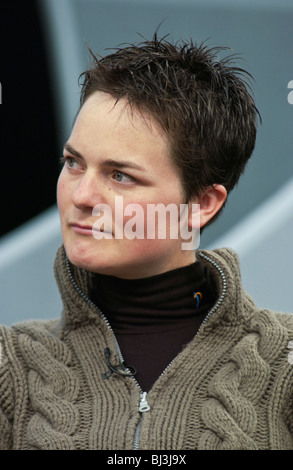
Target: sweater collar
166	300
75	285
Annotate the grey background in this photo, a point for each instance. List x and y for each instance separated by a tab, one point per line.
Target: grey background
258	219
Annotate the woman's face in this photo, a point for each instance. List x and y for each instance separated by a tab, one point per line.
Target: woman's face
114	158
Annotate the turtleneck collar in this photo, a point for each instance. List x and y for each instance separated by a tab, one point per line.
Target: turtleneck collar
165	300
154	318
75	285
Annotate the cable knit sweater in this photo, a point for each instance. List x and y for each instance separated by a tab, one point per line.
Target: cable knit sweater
230	388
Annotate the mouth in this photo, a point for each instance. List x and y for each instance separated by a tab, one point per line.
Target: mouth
85	229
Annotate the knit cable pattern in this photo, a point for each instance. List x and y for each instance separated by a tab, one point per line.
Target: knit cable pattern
53	389
6	400
238	396
230	414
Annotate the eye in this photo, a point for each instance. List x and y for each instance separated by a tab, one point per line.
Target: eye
70	162
121	177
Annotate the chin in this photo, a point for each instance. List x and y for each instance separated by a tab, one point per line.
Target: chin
91	261
79	256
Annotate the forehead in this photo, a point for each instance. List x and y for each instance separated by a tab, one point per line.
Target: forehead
107	125
103	110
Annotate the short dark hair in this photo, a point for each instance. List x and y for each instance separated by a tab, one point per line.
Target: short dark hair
202	103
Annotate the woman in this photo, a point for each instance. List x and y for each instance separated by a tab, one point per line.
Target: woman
158	346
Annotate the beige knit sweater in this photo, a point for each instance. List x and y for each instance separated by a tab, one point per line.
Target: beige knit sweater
230	388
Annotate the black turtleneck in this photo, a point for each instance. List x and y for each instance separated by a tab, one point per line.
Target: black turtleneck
153	318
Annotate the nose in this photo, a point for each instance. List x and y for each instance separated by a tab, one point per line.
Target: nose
87	193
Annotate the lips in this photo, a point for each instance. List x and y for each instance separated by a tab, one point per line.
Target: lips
84	229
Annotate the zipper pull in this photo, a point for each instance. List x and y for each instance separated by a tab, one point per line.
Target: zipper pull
143	405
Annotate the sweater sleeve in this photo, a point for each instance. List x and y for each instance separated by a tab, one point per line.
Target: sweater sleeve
6	399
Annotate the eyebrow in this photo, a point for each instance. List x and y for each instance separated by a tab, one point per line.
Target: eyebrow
71	150
109	162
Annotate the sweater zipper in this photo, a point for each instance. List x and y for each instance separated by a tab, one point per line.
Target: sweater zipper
224	288
143	404
206	319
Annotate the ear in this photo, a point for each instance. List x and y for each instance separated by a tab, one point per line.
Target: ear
206	206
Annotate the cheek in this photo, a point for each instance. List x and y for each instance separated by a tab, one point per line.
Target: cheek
62	193
151	222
